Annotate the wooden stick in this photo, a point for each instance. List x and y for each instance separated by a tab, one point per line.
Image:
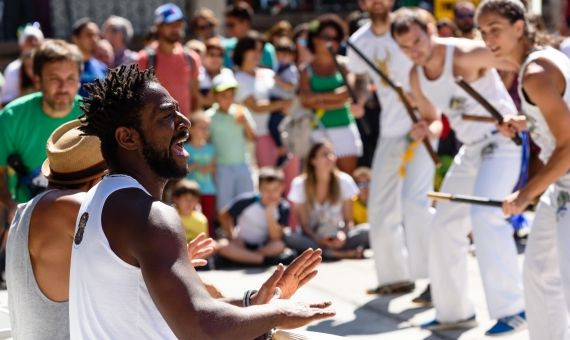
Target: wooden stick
411	110
440	196
490	108
363	122
480	119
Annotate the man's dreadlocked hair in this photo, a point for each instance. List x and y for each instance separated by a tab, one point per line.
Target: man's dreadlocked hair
114	102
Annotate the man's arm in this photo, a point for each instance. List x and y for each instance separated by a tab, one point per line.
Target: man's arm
474	55
5	196
154	239
429	124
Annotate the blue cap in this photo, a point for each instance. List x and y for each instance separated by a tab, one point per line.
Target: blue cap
167	13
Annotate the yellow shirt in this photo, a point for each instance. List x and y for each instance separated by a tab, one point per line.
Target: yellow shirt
194	224
359	211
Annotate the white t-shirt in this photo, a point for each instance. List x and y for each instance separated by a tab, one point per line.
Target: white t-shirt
384	52
11	89
326	218
259	87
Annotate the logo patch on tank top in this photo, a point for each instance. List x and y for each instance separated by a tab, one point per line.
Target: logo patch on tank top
81	229
457	103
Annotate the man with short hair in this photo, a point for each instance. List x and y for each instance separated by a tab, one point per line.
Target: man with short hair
130	274
26	123
119	32
39	242
176	67
238	25
464	18
85	34
487	165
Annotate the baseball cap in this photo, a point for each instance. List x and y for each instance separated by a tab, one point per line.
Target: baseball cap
167	14
224	81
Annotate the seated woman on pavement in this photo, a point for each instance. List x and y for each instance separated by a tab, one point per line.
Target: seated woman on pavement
322	201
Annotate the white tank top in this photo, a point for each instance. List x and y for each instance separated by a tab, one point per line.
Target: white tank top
537	124
108	298
452	100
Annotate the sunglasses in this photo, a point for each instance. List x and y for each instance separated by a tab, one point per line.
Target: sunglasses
363	184
464	15
230	25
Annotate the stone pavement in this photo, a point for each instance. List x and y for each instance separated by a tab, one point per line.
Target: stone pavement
359	316
362	316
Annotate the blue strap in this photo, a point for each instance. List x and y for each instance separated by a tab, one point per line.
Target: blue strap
519	221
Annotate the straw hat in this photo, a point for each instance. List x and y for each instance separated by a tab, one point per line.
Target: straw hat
71	157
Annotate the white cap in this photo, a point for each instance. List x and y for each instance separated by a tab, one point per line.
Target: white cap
224	81
30	30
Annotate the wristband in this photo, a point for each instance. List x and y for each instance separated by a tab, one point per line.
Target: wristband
247	297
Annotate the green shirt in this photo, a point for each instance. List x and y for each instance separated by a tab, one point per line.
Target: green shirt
268	58
24	130
336	117
227	136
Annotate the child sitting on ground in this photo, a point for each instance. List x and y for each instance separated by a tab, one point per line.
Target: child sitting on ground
254	222
186	196
359	210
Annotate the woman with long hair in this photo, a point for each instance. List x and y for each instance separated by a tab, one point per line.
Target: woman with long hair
544	88
322	201
323	90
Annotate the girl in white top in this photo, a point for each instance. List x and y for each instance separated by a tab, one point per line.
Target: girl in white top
322	201
544	87
212	65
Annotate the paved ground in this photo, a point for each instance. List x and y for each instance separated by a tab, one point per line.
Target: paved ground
359	316
362	316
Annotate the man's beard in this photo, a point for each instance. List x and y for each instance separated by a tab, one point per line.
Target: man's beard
173	38
162	163
59	105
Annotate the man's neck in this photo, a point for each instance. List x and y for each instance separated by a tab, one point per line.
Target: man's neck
53	113
380	25
86	55
166	46
435	62
142	174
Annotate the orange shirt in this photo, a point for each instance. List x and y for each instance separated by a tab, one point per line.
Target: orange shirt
174	73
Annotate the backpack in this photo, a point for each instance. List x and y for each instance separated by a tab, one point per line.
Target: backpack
296	129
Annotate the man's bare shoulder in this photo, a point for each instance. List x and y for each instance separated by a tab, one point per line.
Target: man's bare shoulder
57	210
137	224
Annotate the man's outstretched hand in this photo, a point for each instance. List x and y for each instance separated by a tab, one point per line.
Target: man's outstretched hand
199	249
285	281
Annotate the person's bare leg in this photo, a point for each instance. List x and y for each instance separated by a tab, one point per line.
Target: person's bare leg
357	253
347	164
273	248
235	250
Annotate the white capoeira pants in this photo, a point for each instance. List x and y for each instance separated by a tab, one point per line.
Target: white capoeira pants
396	203
490	169
546	270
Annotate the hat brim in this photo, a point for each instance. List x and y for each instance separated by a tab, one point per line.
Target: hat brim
171	20
83	176
225	87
